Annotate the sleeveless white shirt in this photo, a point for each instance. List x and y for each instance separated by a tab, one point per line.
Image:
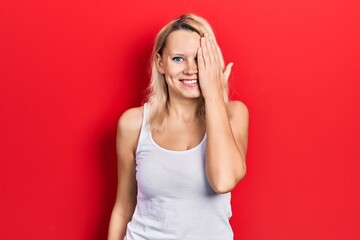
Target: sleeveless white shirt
174	199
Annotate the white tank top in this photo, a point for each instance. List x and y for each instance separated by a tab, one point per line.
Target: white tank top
175	200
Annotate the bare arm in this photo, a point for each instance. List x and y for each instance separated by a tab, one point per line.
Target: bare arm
126	141
227	129
226	123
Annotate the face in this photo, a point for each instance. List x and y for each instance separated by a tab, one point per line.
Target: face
179	64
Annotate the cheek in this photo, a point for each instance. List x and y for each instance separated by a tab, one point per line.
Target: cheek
173	70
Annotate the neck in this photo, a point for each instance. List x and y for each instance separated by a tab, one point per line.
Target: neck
185	109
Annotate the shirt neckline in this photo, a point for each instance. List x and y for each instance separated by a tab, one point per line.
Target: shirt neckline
176	151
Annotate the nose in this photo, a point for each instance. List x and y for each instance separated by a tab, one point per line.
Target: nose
191	68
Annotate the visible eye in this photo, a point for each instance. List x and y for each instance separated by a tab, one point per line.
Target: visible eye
178	59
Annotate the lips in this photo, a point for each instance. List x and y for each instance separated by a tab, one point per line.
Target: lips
189	82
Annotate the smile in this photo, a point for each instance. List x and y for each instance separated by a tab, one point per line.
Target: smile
189	82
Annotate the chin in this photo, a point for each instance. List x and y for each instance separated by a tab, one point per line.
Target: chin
194	96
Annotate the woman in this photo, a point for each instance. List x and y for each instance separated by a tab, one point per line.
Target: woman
181	154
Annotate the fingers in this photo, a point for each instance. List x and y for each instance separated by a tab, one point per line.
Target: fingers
215	51
209	46
205	52
208	56
200	59
209	49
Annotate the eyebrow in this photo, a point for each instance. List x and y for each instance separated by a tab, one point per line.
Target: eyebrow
181	54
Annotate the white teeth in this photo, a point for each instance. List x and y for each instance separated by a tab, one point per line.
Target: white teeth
189	81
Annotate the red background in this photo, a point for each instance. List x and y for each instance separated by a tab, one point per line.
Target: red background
69	69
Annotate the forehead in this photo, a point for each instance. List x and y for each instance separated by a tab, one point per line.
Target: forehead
182	41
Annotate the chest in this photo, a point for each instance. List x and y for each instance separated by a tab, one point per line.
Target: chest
179	136
165	173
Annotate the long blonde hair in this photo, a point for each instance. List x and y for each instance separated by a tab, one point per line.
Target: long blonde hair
158	97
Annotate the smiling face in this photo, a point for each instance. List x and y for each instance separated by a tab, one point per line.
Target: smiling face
178	63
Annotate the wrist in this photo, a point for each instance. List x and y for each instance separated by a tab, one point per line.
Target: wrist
214	96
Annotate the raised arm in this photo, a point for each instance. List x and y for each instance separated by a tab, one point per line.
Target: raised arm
128	130
227	130
226	123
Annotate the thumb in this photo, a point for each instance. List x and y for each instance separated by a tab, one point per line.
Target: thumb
228	70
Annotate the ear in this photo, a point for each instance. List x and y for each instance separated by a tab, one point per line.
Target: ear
159	64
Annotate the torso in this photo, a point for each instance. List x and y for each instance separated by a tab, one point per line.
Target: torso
179	135
174	197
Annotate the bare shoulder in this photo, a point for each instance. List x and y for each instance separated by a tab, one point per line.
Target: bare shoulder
131	120
237	109
239	120
129	126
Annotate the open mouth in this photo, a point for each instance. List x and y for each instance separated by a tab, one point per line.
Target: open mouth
189	82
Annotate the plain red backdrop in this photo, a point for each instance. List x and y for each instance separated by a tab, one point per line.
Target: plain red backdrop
68	70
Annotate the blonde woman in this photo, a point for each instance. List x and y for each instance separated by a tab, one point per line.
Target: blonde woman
181	154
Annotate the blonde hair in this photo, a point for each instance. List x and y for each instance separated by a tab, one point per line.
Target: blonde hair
158	97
